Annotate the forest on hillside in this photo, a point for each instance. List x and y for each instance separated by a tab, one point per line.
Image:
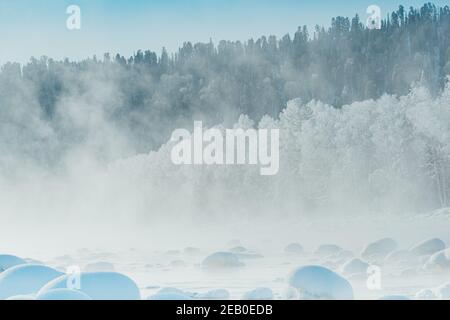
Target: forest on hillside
147	95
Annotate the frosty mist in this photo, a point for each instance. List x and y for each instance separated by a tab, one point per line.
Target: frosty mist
387	155
89	140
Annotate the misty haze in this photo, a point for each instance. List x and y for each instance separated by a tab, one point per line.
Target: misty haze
86	175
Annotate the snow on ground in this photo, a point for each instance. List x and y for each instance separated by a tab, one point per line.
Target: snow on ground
314	259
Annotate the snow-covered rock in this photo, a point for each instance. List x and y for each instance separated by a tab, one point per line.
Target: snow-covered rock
171	290
443	292
170	293
316	282
100	286
327	249
439	261
259	294
428	247
7	261
217	294
425	294
355	267
340	255
100	266
401	257
379	249
169	296
25	279
238	249
219	260
63	294
294	248
291	293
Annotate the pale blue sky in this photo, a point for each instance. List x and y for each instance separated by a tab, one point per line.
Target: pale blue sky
38	27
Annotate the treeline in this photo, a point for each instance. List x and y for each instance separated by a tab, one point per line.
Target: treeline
152	93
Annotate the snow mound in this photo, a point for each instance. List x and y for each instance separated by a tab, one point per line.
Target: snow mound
291	293
428	247
401	257
191	251
238	249
169	296
327	249
259	294
343	254
315	282
439	261
171	290
63	294
293	248
219	260
25	279
394	297
379	249
99	267
355	266
425	294
443	292
100	286
7	261
218	294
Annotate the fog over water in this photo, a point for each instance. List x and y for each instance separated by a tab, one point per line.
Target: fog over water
86	146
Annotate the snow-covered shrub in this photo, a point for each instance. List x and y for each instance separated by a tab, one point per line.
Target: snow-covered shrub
316	282
100	286
25	279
